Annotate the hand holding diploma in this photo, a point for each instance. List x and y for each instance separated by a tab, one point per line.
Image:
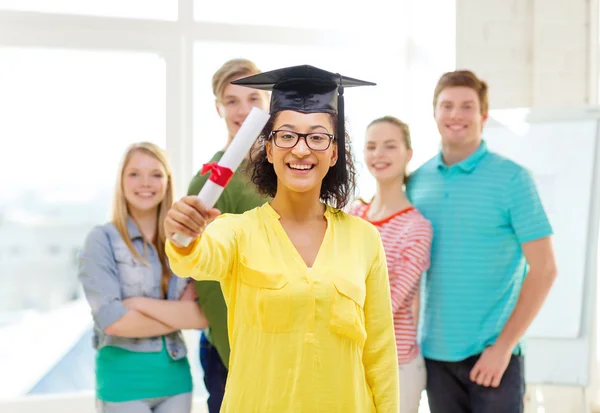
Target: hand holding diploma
187	219
189	216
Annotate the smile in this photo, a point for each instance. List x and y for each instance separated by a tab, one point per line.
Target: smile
146	194
300	167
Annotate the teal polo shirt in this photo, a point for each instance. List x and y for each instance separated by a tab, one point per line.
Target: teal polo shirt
482	210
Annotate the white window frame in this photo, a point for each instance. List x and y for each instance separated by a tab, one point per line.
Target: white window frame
172	40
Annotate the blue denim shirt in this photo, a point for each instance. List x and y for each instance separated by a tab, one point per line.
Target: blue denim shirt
110	273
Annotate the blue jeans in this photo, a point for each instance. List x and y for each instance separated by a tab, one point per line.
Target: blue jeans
449	389
215	374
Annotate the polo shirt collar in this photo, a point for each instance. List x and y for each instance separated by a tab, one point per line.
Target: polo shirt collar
468	164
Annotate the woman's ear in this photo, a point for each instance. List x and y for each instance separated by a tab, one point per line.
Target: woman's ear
269	151
334	156
409	155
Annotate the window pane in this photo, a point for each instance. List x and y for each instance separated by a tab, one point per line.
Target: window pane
70	116
310	14
67	118
140	9
433	52
362	104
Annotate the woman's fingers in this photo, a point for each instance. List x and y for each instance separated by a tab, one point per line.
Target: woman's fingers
189	216
182	224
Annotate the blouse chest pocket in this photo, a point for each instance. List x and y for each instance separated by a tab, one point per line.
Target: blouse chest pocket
133	274
347	310
265	302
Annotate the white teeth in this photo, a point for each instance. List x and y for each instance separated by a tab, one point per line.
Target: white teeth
145	194
380	165
303	167
456	127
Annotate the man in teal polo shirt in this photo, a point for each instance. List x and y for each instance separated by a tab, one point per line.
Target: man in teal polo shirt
233	105
492	262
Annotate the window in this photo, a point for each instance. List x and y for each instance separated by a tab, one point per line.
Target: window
431	52
141	9
68	116
310	14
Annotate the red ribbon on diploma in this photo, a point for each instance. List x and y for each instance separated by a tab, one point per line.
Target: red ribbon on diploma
220	175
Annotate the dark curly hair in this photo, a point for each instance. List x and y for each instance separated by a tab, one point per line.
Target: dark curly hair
337	187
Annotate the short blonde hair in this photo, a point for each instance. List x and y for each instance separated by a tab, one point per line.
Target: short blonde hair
231	70
120	211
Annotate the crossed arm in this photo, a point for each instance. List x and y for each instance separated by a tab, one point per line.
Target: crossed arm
138	317
134	324
180	315
149	317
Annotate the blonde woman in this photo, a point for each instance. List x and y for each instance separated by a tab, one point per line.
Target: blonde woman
138	306
406	237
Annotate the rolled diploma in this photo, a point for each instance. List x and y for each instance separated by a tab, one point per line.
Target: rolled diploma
232	158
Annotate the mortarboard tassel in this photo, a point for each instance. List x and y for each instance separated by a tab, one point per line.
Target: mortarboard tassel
341	131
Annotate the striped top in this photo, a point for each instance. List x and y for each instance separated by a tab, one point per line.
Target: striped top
406	237
482	210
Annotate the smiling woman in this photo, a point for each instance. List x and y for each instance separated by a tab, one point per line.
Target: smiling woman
299	145
144	184
289	270
138	307
301	164
407	237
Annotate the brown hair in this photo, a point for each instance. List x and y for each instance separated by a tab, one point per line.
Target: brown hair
403	127
464	78
231	70
120	211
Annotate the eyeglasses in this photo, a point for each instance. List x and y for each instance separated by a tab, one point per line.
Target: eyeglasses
317	141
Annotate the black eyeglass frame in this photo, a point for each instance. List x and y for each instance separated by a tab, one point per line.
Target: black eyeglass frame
300	136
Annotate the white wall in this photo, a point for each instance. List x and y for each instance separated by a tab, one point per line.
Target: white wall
532	52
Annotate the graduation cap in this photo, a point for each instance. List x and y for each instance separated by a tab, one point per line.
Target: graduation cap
307	89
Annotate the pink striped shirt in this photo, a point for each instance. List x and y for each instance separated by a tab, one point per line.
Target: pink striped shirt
406	237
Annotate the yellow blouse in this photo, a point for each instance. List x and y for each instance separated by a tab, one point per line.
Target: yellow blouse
302	340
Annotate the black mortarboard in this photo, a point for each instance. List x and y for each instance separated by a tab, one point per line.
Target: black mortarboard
307	89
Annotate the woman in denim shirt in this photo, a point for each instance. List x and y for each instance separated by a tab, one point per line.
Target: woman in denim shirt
138	306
